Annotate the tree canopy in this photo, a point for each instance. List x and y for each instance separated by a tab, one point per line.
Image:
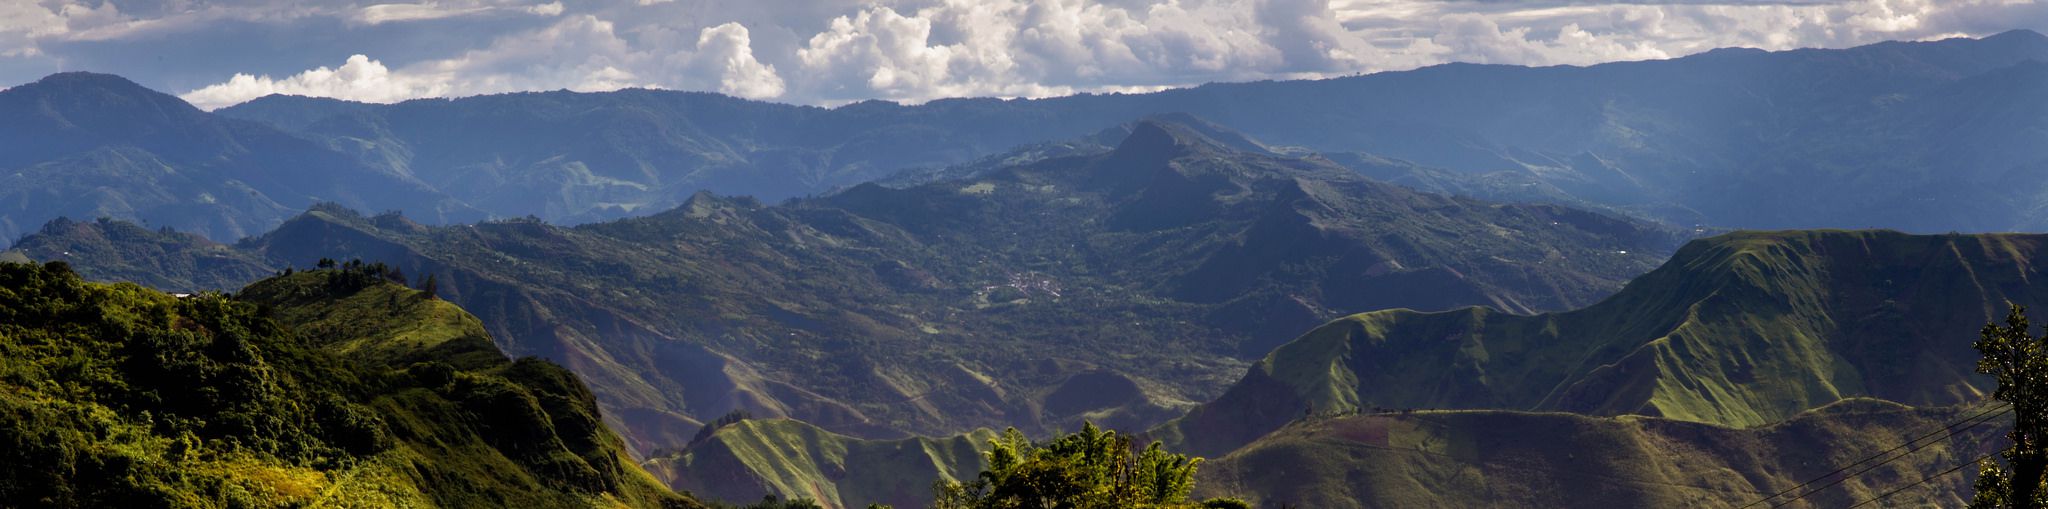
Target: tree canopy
1089	469
2019	361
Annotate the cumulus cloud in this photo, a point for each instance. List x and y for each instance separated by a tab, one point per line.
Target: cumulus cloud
581	53
728	50
360	79
837	51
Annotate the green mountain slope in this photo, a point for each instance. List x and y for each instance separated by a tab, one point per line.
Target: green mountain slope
792	459
1741	329
1517	459
1119	286
321	388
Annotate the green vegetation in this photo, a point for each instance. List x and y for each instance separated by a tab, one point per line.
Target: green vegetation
1088	469
329	387
746	458
2019	360
1494	458
1743	329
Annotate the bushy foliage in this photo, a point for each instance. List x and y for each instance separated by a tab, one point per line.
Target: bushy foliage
1088	469
121	396
113	393
775	502
730	418
2019	360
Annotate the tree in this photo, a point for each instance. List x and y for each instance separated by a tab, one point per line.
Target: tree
1089	469
430	287
2020	363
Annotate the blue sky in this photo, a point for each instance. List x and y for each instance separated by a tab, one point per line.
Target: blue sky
216	53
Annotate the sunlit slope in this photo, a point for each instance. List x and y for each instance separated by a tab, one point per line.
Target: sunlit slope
1496	458
1741	329
324	388
792	459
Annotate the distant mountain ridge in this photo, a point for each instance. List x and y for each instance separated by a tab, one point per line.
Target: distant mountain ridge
1920	136
1118	287
1716	139
87	146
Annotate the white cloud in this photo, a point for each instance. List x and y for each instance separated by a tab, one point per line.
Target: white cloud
406	12
729	49
388	13
361	79
581	53
836	51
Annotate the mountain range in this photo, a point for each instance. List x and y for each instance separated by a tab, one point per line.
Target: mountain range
1749	363
1517	286
1918	136
91	146
1119	286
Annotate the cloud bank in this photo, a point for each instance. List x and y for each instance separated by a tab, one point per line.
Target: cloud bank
837	51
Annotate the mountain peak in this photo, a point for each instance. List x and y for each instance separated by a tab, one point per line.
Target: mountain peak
84	78
78	110
2018	35
99	87
1162	138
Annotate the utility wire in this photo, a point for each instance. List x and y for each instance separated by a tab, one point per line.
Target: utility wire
1900	456
1871	457
1951	428
1923	480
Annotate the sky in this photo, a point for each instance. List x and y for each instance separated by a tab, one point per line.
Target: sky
216	53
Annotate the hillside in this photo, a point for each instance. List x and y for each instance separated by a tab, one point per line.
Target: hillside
164	259
1922	136
1118	286
1516	459
88	146
325	387
1741	329
791	459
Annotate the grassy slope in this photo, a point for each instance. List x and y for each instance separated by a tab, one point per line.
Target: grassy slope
792	459
1518	459
139	398
1741	329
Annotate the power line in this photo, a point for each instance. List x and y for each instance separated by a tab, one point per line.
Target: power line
1951	428
1900	456
1923	480
1868	458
